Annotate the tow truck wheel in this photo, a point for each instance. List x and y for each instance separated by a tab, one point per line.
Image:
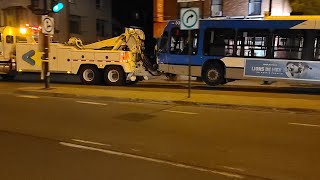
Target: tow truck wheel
89	75
213	74
114	76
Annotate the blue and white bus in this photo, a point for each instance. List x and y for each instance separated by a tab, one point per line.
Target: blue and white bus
272	48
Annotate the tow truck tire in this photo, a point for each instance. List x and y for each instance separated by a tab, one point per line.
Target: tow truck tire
114	76
213	74
89	75
7	77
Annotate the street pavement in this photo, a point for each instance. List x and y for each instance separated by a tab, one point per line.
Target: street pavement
74	138
246	95
28	157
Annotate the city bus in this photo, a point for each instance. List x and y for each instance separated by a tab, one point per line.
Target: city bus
223	50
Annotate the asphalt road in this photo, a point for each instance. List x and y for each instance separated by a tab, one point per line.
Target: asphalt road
56	138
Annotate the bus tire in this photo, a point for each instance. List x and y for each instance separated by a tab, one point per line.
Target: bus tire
89	75
114	76
213	74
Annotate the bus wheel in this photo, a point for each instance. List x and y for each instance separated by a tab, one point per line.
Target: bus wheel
89	75
213	74
114	76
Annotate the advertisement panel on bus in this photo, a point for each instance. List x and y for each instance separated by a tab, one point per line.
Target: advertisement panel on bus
283	69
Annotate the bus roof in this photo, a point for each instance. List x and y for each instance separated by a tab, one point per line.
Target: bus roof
270	22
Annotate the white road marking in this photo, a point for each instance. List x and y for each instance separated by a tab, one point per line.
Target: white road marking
232	168
180	112
307	125
231	175
92	103
28	96
91	142
135	150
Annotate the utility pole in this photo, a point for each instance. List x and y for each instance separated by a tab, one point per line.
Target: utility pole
270	7
45	8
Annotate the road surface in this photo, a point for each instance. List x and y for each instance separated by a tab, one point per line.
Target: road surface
57	138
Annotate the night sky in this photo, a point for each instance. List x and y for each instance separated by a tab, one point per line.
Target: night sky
133	13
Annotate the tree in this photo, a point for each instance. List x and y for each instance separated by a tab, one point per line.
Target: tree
307	7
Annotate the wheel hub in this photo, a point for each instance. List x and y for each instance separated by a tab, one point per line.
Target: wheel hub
88	75
113	76
213	75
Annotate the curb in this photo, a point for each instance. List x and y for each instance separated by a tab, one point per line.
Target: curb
182	103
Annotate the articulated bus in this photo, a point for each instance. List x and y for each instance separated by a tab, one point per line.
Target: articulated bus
270	49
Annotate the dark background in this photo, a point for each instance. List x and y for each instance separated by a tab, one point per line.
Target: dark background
139	13
128	13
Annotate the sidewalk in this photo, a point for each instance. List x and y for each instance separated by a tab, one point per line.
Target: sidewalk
215	98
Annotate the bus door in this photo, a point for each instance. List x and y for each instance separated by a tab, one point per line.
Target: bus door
178	56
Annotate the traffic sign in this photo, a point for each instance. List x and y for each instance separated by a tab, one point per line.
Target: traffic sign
183	1
189	18
47	25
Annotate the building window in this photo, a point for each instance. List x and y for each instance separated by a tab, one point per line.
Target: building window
100	27
98	4
75	24
255	7
216	7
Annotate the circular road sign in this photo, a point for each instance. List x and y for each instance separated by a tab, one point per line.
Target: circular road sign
47	25
190	18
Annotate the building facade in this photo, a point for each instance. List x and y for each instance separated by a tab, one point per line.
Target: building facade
168	9
86	19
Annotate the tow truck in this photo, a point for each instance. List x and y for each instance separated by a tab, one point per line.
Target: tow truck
116	61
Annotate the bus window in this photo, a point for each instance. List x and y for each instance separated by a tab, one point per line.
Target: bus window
288	44
219	42
9	39
317	47
252	43
0	37
179	41
163	46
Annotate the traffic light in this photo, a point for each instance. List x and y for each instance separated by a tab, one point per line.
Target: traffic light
44	7
56	6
